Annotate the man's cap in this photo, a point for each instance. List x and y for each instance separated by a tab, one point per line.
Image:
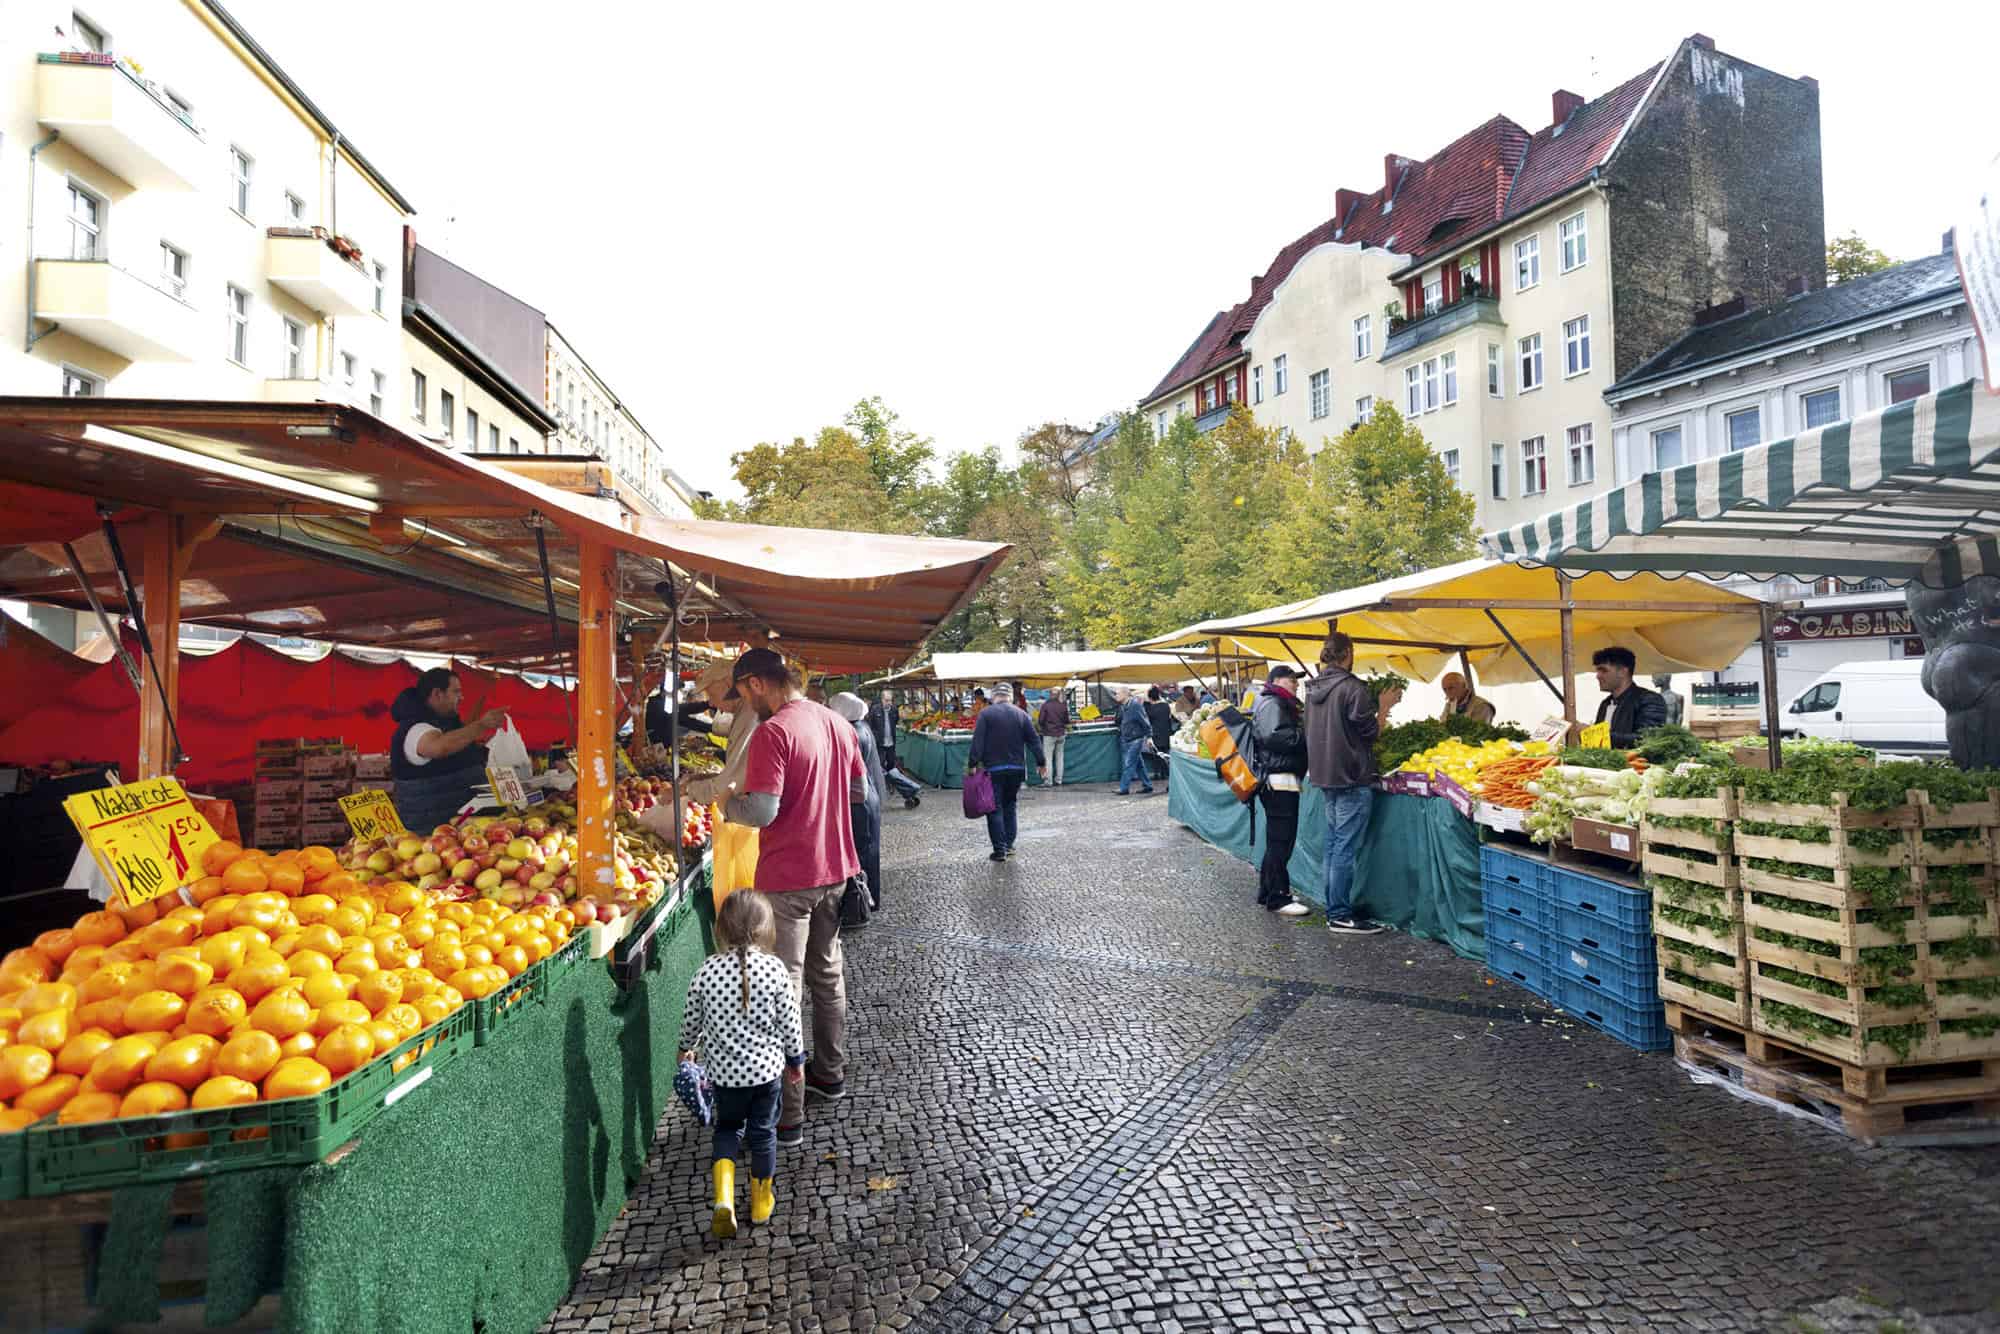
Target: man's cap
715	676
1003	691
1281	672
762	662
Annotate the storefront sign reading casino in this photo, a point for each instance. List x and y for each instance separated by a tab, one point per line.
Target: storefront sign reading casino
1859	623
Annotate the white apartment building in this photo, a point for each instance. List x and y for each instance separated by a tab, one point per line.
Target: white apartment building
594	420
193	225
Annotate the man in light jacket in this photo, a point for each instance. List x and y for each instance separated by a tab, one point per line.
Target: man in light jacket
1342	722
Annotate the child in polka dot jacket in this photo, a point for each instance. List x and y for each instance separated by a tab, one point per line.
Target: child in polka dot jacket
743	1014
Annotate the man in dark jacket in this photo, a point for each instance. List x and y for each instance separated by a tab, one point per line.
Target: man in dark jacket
1134	727
1278	726
435	759
866	813
1052	721
1342	722
1001	740
1161	715
1631	707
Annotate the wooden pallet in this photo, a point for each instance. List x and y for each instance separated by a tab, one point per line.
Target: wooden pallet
1862	1083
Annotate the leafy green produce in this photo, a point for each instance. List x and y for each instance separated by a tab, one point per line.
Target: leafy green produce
1690	894
1595	757
1978	1025
1668	744
1983	988
1801	944
1791	977
1398	743
1899	1038
1703	780
1377	682
1701	984
1965	949
1693	921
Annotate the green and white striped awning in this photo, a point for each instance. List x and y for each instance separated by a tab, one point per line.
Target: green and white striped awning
1910	492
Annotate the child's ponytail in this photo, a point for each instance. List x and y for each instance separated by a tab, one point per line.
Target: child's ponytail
745	920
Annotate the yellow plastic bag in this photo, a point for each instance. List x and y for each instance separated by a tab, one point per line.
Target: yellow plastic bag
1091	713
1597	736
735	857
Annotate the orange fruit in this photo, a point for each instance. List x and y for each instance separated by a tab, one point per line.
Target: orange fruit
244	876
57	945
297	1077
127	950
433	1008
16	1118
346	919
305	962
140	980
217	1012
48	1030
155	1097
165	934
98	928
144	914
321	938
452	995
318	861
107	983
288	878
22	1067
49	1095
339	1012
184	1061
224	1091
538	945
338	884
406	1018
322	989
218	855
85	1047
387	1036
183	975
45	996
224	952
478	956
418	982
89	1104
299	1044
514	960
379	990
206	888
282	1013
24	968
311	909
347	1047
154	1011
258	975
118	1066
83	961
107	1015
419	934
259	909
357	962
248	1055
286	944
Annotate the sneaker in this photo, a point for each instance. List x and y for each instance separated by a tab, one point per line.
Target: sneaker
790	1137
1294	909
996	856
1353	926
832	1090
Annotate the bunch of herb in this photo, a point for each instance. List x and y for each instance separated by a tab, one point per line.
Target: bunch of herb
1694	983
1667	744
1596	757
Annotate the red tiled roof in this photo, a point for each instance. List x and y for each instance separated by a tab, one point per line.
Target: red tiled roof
1492	173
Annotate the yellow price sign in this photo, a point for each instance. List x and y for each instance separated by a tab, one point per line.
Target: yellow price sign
508	789
1597	736
147	836
372	815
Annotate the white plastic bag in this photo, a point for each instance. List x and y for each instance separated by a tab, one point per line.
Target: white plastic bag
507	748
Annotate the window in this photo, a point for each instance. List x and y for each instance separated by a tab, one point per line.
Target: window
420	395
1499	472
471	429
1496	379
1321	385
1468	270
1821	407
293	366
1430	384
381	286
295	210
81	384
1582	455
86	223
1667	449
1575	245
447	413
1531	363
1534	466
1825	695
1413	391
513	445
350	366
492	439
1433	293
1160	426
1576	345
1448	363
1743	429
87	36
1281	379
1364	408
1207	405
173	270
1364	337
378	387
1450	457
1528	262
1256	384
1228	396
240	165
1902	386
239	326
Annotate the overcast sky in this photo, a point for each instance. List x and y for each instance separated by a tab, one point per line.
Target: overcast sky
749	216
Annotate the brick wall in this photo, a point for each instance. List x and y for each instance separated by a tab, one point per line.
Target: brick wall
1714	194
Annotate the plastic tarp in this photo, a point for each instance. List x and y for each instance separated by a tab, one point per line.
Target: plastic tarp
1088	757
1057	668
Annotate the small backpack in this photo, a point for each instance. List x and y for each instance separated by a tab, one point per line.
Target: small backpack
1227	736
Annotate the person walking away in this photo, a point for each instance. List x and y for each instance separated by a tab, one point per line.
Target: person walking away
1278	729
867	813
1161	716
1342	722
742	1014
436	759
1052	721
805	769
1134	727
1630	707
1460	701
1001	740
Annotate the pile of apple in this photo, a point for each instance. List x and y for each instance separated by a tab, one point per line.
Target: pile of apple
697	827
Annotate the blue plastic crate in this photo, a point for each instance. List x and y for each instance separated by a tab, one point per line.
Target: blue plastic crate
1600	935
1634	984
1506	900
1643	1027
1528	872
1504	960
1618	904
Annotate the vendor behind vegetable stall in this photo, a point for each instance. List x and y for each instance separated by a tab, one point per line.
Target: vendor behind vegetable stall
1631	708
436	760
1459	699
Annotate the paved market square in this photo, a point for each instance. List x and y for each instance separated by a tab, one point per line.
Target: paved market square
1096	1088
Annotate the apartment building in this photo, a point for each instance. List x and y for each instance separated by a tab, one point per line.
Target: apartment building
1494	291
194	226
475	355
593	420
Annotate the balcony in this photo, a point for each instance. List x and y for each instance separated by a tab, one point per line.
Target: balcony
104	305
304	263
1213	418
102	109
1473	308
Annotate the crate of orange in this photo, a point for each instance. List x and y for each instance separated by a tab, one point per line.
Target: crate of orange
536	983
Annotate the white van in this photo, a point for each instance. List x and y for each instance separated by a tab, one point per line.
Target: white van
1880	704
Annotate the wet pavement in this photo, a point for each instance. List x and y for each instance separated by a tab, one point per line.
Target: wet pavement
1096	1088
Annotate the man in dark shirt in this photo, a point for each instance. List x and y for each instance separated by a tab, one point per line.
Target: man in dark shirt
1002	739
1631	708
1342	722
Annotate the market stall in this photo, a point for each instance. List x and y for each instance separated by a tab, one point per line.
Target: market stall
323	521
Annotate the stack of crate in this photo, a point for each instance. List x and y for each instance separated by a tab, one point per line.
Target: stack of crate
1688	853
280	793
327	767
1514	891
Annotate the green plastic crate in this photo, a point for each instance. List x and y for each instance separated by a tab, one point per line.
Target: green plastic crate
535	984
14	1162
636	941
131	1151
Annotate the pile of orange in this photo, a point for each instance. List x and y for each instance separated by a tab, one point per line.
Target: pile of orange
270	977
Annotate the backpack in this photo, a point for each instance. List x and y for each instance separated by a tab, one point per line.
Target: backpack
1227	736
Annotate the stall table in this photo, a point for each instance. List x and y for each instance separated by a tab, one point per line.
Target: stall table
1090	756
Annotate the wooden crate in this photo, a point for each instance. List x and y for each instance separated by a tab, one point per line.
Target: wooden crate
1671	940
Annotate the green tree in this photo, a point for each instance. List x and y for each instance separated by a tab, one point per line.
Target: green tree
899	460
823	483
1850	257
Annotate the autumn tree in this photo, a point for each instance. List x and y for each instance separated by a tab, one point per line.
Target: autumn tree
1849	257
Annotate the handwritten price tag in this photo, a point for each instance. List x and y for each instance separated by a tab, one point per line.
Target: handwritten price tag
372	815
507	788
147	836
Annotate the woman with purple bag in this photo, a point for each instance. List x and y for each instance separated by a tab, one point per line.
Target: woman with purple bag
1001	740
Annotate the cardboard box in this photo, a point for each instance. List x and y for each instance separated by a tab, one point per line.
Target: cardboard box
1612	840
284	745
327	789
1443	785
1407	784
1509	819
279	788
339	764
323	811
371	766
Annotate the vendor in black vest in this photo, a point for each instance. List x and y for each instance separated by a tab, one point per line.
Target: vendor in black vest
1631	708
436	759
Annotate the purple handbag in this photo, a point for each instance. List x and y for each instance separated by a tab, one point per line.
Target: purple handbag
979	800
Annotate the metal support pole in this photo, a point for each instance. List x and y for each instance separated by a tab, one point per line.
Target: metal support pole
1567	617
1767	616
1516	644
104	621
596	786
160	642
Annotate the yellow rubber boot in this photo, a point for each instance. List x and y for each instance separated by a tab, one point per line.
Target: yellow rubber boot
763	1198
724	1224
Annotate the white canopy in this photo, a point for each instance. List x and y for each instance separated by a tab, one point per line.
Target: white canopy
1055	668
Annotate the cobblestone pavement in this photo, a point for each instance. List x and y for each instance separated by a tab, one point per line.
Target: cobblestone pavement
1096	1088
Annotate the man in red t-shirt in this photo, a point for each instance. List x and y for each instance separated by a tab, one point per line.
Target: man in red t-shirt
805	768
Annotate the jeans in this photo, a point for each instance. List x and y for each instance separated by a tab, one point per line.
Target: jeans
1132	753
809	943
1053	747
1347	812
868	846
749	1116
1281	833
1001	823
